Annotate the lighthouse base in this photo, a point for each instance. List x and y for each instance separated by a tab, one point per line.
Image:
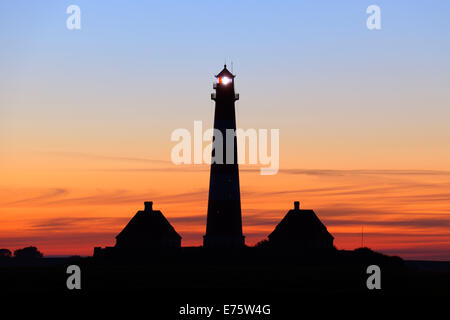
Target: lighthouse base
223	241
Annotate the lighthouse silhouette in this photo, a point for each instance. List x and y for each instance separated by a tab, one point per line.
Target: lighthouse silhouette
224	220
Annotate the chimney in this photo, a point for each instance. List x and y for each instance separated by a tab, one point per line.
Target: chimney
148	206
296	205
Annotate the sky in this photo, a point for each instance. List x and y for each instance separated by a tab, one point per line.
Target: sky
86	118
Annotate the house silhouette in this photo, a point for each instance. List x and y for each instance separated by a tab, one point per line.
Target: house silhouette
148	229
301	229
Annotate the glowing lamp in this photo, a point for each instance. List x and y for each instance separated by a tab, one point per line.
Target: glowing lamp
224	80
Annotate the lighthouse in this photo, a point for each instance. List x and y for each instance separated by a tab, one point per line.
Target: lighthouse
224	220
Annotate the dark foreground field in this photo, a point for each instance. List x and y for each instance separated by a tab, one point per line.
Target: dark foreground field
331	273
194	276
164	283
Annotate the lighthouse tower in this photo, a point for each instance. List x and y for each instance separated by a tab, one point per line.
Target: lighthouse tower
224	221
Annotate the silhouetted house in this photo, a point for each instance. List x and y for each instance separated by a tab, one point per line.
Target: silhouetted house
301	229
148	229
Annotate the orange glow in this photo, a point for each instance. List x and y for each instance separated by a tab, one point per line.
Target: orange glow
67	204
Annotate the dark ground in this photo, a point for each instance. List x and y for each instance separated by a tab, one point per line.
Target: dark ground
194	276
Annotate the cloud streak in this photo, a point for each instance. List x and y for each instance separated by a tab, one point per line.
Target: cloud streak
76	223
49	194
105	157
330	172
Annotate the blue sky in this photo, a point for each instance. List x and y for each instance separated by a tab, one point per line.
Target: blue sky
307	62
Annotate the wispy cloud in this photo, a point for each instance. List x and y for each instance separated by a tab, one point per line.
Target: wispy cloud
422	223
395	194
101	198
105	157
62	197
329	172
76	223
45	196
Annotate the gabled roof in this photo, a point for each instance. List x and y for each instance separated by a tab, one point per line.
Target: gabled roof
300	224
150	224
225	73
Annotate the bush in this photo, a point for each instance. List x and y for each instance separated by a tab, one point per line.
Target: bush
5	253
28	253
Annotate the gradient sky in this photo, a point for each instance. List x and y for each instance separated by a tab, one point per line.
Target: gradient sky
86	117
